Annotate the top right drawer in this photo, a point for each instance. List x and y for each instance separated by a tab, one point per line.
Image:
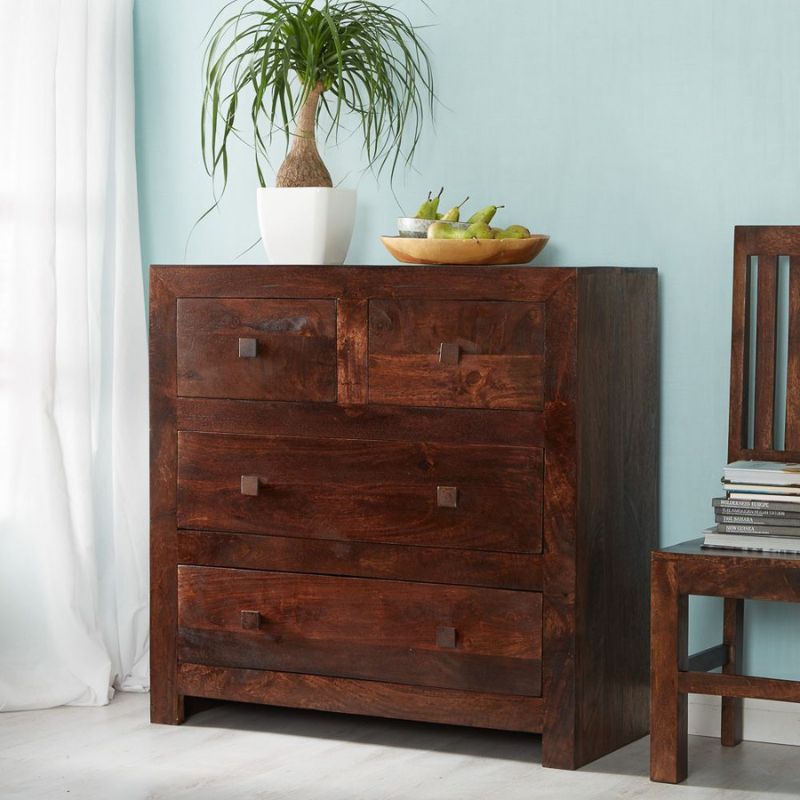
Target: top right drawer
457	353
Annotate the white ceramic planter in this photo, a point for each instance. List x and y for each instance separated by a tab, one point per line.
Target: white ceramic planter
306	225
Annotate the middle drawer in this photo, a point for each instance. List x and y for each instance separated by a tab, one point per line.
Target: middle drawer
410	493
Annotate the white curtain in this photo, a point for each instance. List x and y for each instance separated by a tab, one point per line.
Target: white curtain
73	359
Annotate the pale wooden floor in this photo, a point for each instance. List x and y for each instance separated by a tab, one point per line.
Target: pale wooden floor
250	752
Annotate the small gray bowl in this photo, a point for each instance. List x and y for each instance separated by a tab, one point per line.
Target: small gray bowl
413	228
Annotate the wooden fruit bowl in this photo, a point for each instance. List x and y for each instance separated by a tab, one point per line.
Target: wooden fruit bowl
465	252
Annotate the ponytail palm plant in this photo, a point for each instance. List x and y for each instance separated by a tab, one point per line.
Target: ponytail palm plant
291	67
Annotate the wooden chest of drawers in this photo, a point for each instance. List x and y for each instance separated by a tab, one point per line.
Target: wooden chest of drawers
417	492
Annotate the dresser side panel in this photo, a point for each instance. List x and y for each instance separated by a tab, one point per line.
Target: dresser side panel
618	432
166	705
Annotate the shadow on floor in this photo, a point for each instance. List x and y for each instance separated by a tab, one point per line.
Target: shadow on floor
752	767
745	768
502	745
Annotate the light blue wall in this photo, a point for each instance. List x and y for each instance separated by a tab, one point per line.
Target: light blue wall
634	132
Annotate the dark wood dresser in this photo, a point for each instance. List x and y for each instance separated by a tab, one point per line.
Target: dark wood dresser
418	492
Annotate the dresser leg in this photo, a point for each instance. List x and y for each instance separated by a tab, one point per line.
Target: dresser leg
668	707
166	705
733	639
558	753
173	715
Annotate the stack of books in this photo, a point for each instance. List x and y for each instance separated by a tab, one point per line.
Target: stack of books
760	510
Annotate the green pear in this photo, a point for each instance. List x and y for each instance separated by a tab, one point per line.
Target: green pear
479	230
424	209
430	208
444	230
484	215
454	214
514	232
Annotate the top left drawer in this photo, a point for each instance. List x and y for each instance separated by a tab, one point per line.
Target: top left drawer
257	349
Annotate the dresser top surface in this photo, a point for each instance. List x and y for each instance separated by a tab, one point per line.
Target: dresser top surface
404	267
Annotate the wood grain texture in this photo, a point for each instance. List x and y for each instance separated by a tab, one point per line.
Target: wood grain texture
733	639
352	343
618	435
299	607
498	382
559	742
721	573
739	686
378	423
766	327
418	327
688	569
740	349
757	454
785	561
772	239
418	667
166	704
332	481
523	284
521	478
350	627
501	347
374	698
668	705
295	356
767	243
361	559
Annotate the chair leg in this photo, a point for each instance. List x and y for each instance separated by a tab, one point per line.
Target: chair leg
733	638
668	707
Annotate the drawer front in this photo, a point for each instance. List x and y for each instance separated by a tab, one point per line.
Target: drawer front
445	636
257	349
467	497
456	353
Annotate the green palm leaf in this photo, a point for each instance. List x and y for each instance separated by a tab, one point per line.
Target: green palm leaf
369	60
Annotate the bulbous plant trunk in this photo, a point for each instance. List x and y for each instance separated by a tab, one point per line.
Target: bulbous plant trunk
303	165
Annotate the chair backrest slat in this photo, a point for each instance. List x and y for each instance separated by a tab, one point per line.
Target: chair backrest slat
767	308
740	347
756	427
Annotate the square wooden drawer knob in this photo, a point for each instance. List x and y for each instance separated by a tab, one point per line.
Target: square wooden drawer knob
449	354
250	485
251	620
446	637
447	496
248	348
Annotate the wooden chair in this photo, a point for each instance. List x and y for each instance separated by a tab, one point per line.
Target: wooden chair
758	430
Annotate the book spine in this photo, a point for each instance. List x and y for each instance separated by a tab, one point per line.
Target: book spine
757	519
761	530
763	480
767	507
769	472
784	500
761	488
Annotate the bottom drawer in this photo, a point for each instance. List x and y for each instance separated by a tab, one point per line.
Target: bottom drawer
454	637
